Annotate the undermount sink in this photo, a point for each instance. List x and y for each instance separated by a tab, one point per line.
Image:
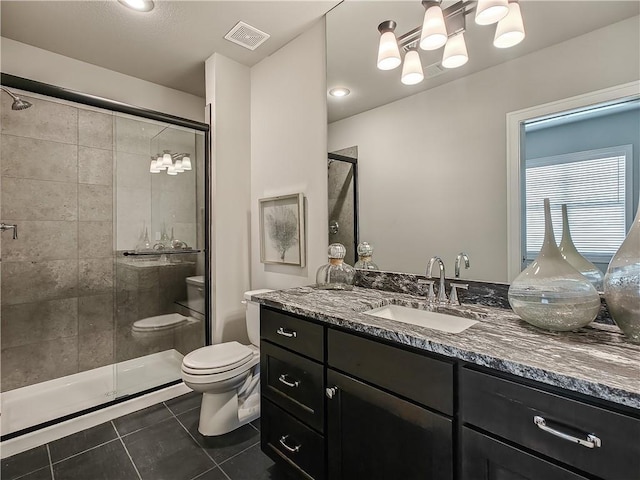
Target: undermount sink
423	318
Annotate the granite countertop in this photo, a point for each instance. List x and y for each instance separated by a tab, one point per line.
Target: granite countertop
595	360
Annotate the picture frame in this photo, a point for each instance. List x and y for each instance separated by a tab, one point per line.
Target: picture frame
282	230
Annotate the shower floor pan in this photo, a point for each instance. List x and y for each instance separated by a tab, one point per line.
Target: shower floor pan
36	404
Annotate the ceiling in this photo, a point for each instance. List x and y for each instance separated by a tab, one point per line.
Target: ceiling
352	43
168	45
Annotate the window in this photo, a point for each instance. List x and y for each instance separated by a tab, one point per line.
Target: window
597	191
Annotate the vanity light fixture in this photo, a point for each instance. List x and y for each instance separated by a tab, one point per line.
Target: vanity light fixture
173	163
339	92
388	51
412	73
446	28
138	5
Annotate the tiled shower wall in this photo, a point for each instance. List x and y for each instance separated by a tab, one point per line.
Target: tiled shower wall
57	278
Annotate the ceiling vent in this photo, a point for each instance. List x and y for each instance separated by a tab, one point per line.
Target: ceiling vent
247	36
434	70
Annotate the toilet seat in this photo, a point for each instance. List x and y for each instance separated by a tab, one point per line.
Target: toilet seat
159	322
217	359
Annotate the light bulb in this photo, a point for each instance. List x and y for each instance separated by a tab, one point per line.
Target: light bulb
172	170
339	92
178	166
139	5
412	68
166	159
510	30
159	164
153	168
491	11
455	52
186	162
388	51
434	30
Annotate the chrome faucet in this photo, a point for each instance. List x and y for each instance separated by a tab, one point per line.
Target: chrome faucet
461	256
442	295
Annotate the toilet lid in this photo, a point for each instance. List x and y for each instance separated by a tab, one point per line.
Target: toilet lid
222	356
159	322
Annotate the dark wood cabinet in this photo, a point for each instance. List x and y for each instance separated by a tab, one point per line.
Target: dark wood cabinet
577	435
372	434
487	458
338	405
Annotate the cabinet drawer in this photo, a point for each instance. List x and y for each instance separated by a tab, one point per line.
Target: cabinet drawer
425	380
284	437
508	409
293	333
485	458
293	382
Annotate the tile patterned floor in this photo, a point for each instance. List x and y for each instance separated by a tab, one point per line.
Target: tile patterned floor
161	442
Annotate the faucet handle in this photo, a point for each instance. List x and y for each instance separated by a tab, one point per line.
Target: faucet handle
431	295
453	296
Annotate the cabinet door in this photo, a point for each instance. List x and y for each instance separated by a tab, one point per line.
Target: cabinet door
372	434
485	458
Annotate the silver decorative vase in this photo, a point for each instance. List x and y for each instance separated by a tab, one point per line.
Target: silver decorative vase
550	293
622	283
570	254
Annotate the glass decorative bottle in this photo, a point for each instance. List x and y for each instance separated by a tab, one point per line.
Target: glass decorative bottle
336	275
622	283
364	257
577	261
143	242
550	293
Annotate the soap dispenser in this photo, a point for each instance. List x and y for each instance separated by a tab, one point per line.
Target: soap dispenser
364	257
336	275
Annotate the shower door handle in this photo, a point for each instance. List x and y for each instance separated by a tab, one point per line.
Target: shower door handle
6	226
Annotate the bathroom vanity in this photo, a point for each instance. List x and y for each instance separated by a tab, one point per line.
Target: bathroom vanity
346	395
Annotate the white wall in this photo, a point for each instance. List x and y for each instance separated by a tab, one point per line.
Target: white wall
228	91
33	63
432	167
289	148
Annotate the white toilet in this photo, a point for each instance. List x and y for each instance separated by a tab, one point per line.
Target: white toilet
228	376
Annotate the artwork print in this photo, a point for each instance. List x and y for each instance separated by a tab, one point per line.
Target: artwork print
282	230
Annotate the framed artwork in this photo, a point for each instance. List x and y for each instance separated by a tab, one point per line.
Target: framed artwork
282	230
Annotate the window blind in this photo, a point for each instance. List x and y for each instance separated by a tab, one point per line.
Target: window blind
594	190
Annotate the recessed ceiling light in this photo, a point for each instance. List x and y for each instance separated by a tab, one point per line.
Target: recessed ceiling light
138	5
339	92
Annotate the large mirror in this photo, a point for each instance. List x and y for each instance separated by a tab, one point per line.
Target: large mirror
432	158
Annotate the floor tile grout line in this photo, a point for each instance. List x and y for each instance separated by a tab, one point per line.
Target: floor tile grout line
50	462
180	413
239	453
207	471
126	450
142	428
194	439
84	451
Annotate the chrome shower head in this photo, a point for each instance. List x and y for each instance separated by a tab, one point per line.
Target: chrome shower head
18	103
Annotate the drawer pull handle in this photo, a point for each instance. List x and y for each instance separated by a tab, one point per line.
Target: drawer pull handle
591	442
331	392
283	379
283	442
286	332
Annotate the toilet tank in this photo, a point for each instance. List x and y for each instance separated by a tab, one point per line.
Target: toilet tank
253	316
195	293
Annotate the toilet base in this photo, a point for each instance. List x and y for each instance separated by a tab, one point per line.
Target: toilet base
221	413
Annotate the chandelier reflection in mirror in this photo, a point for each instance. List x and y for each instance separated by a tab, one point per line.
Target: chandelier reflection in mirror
172	163
445	28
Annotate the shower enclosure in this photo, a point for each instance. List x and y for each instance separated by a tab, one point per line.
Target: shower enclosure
105	288
342	184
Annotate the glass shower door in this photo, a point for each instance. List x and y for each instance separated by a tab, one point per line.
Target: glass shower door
160	263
